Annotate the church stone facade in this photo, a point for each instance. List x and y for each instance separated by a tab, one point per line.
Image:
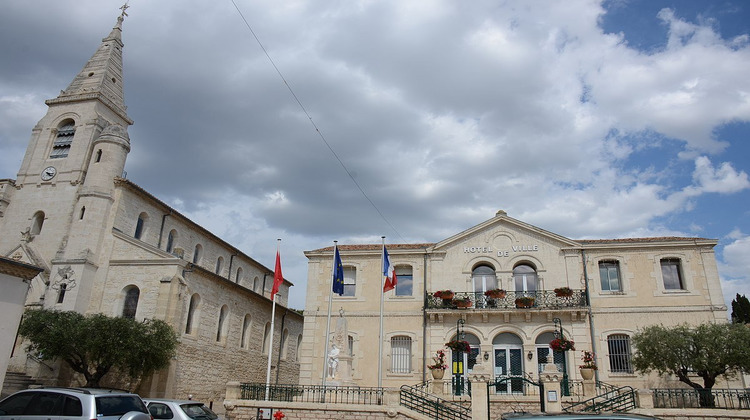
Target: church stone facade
515	288
106	245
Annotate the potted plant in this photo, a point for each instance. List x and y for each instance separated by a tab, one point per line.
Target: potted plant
463	302
524	302
458	345
444	294
589	365
495	294
562	344
563	292
438	366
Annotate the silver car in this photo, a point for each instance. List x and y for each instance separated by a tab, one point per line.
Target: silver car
165	409
72	404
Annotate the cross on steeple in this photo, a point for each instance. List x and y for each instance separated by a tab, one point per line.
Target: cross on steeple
123	8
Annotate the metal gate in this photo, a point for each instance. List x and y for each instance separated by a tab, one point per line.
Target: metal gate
515	382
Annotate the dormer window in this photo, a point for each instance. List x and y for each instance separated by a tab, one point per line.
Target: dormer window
61	147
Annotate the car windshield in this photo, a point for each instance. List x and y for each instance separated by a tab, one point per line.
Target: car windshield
198	411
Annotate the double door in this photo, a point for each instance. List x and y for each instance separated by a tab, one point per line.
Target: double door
508	369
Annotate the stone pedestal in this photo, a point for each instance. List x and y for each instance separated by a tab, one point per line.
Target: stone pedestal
550	378
479	394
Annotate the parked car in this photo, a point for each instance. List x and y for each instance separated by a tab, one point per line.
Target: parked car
577	416
166	409
73	404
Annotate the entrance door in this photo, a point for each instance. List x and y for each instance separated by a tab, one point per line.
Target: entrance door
509	364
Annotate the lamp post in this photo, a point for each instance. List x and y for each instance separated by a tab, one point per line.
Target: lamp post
559	334
458	359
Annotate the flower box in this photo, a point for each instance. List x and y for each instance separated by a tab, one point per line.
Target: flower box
495	294
563	292
444	294
524	302
462	303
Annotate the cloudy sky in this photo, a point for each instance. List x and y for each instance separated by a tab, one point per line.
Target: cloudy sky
590	119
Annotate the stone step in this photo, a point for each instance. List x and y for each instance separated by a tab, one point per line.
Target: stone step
15	382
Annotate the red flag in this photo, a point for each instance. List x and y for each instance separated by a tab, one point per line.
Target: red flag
278	278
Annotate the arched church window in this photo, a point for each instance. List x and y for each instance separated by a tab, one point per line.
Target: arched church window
219	263
221	331
171	239
63	140
140	225
130	305
193	307
36	223
197	253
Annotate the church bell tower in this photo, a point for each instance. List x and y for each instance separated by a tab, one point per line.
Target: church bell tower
59	207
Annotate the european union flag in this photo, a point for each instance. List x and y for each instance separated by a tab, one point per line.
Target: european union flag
338	273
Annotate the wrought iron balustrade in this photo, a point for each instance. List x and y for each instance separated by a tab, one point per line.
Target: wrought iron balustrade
313	393
731	399
544	299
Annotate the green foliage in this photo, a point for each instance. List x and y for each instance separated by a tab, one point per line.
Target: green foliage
94	345
707	350
741	309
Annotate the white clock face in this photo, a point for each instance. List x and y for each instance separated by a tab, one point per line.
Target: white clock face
49	173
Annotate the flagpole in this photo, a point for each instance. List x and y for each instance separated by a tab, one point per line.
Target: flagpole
273	316
380	335
328	322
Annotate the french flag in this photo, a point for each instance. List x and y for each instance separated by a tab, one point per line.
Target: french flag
389	272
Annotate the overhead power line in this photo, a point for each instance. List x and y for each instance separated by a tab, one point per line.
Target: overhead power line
317	130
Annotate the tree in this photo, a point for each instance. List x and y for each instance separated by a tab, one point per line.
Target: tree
94	345
741	309
706	351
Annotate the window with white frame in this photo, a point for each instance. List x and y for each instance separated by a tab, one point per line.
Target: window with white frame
404	281
350	281
620	355
609	272
671	273
401	354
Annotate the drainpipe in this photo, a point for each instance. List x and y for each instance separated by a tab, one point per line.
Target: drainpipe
161	229
588	304
424	319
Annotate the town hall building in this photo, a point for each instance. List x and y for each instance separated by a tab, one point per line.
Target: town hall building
509	289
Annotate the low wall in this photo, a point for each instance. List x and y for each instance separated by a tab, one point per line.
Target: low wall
248	410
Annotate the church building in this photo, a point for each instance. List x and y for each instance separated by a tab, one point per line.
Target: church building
518	295
106	245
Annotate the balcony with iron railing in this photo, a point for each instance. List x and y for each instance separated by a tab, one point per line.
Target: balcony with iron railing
506	300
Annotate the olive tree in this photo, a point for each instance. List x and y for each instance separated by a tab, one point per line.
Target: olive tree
689	352
93	345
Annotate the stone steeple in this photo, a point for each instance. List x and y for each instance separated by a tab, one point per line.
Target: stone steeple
101	77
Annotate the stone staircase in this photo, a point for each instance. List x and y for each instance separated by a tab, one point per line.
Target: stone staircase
15	382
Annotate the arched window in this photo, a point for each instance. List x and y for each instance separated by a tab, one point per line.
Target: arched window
246	323
401	354
171	239
266	335
140	225
98	156
63	140
219	262
508	360
620	355
525	279
36	223
197	253
405	281
238	277
130	305
221	329
192	315
282	349
543	352
484	279
256	284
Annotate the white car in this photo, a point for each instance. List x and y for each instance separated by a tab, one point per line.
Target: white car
165	409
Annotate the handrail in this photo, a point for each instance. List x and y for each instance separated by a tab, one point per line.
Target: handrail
415	398
732	399
546	299
39	360
620	399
